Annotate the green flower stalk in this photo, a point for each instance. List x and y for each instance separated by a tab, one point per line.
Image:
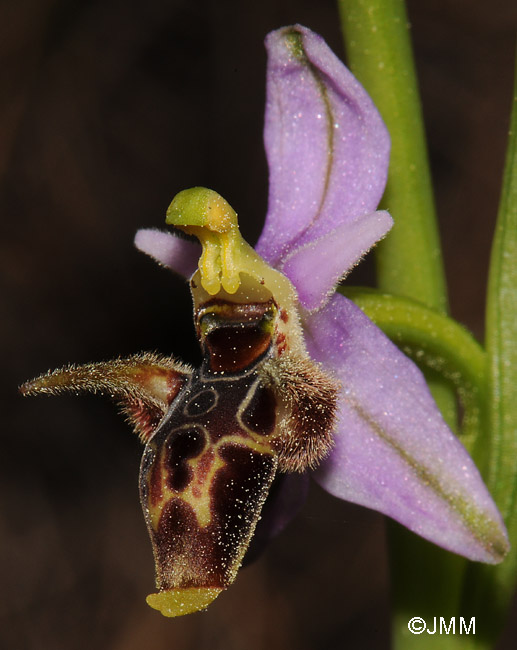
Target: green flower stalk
378	45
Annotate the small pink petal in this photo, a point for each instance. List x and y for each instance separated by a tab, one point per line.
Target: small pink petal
175	253
316	268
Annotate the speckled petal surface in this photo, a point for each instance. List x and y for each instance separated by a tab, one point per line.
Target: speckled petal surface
175	253
316	268
393	451
326	144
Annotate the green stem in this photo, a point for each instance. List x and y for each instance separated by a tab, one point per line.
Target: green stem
501	334
409	260
379	53
489	589
409	265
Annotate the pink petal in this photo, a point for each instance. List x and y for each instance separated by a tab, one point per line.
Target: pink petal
326	144
393	452
316	268
177	254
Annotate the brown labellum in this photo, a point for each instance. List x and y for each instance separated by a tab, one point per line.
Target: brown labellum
307	398
203	480
214	438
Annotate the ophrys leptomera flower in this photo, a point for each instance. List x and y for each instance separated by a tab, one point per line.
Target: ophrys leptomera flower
282	352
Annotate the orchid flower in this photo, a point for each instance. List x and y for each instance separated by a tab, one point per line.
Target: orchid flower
295	378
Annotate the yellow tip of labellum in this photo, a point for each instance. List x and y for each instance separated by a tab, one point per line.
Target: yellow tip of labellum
178	602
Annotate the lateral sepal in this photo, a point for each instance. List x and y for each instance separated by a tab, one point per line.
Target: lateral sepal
144	385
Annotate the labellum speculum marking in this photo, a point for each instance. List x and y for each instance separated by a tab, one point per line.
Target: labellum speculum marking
207	470
216	436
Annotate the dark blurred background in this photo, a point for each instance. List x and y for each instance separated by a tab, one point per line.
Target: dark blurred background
107	109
